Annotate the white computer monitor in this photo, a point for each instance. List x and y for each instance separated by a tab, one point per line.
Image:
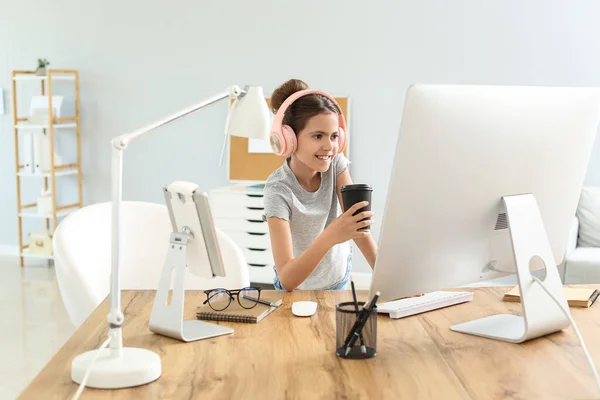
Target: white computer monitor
472	161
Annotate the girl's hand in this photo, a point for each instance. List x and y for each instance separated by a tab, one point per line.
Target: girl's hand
346	226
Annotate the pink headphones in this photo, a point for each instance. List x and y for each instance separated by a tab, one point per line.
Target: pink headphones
283	137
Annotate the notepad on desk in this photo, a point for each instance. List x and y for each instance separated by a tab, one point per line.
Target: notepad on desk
236	313
576	297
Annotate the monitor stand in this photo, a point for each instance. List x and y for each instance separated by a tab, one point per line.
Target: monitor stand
531	247
167	317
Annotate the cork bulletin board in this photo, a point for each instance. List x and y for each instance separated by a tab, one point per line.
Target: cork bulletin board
246	166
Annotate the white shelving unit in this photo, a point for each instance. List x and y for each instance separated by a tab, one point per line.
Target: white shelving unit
26	254
23	126
62	126
60	75
29	213
60	172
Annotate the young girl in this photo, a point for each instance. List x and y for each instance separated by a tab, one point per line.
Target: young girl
308	236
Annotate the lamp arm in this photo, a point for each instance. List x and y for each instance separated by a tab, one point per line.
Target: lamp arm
119	144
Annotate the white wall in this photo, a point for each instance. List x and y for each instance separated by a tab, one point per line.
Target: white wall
140	60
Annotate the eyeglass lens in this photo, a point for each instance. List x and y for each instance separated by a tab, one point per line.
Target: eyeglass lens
220	299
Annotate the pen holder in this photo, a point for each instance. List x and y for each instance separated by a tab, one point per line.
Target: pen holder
365	345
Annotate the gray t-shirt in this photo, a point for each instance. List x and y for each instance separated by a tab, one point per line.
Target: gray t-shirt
309	213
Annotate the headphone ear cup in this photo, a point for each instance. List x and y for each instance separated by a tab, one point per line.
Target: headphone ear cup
289	137
277	143
342	139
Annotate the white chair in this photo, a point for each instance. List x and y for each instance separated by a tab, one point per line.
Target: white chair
82	254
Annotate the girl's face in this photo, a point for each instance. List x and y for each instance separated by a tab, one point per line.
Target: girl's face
318	142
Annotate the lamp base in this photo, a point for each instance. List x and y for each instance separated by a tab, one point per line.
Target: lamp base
115	369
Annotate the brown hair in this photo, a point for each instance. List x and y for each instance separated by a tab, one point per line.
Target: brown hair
304	108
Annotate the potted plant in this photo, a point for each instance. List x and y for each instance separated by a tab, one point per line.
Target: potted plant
41	69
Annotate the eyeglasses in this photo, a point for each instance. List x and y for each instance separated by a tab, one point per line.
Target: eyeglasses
220	299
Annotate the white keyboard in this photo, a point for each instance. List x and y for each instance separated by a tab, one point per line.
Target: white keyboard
416	305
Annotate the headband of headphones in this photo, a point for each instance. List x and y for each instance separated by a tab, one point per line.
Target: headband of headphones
283	138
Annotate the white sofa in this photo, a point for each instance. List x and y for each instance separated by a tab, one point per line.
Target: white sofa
582	260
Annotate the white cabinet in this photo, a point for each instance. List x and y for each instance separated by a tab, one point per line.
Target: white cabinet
237	210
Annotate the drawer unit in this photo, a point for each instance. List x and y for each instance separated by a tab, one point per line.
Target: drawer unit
260	275
251	200
258	257
227	212
237	204
251	239
242	225
237	211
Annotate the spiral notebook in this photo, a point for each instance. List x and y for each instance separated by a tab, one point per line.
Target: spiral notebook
237	313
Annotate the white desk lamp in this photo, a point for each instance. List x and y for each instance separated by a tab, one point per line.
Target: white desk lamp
118	366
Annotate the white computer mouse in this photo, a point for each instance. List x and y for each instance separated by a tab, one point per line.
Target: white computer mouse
304	308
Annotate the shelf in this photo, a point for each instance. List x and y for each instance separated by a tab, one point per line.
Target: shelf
55	76
32	213
59	172
25	253
26	126
45	123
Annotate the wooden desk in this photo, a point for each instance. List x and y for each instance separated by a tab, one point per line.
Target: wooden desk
294	358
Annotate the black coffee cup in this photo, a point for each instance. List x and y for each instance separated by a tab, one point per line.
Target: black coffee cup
352	194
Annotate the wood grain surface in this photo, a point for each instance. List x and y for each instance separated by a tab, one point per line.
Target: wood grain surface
287	357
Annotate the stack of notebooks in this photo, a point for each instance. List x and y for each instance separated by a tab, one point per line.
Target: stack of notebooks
236	313
576	297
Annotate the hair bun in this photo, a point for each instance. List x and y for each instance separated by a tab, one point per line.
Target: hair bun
284	91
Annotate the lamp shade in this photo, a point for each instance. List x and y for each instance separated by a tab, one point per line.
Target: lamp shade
250	115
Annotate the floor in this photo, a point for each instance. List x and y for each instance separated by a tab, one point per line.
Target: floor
36	326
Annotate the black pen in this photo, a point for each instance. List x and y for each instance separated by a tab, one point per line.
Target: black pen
363	349
260	301
355	325
358	325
